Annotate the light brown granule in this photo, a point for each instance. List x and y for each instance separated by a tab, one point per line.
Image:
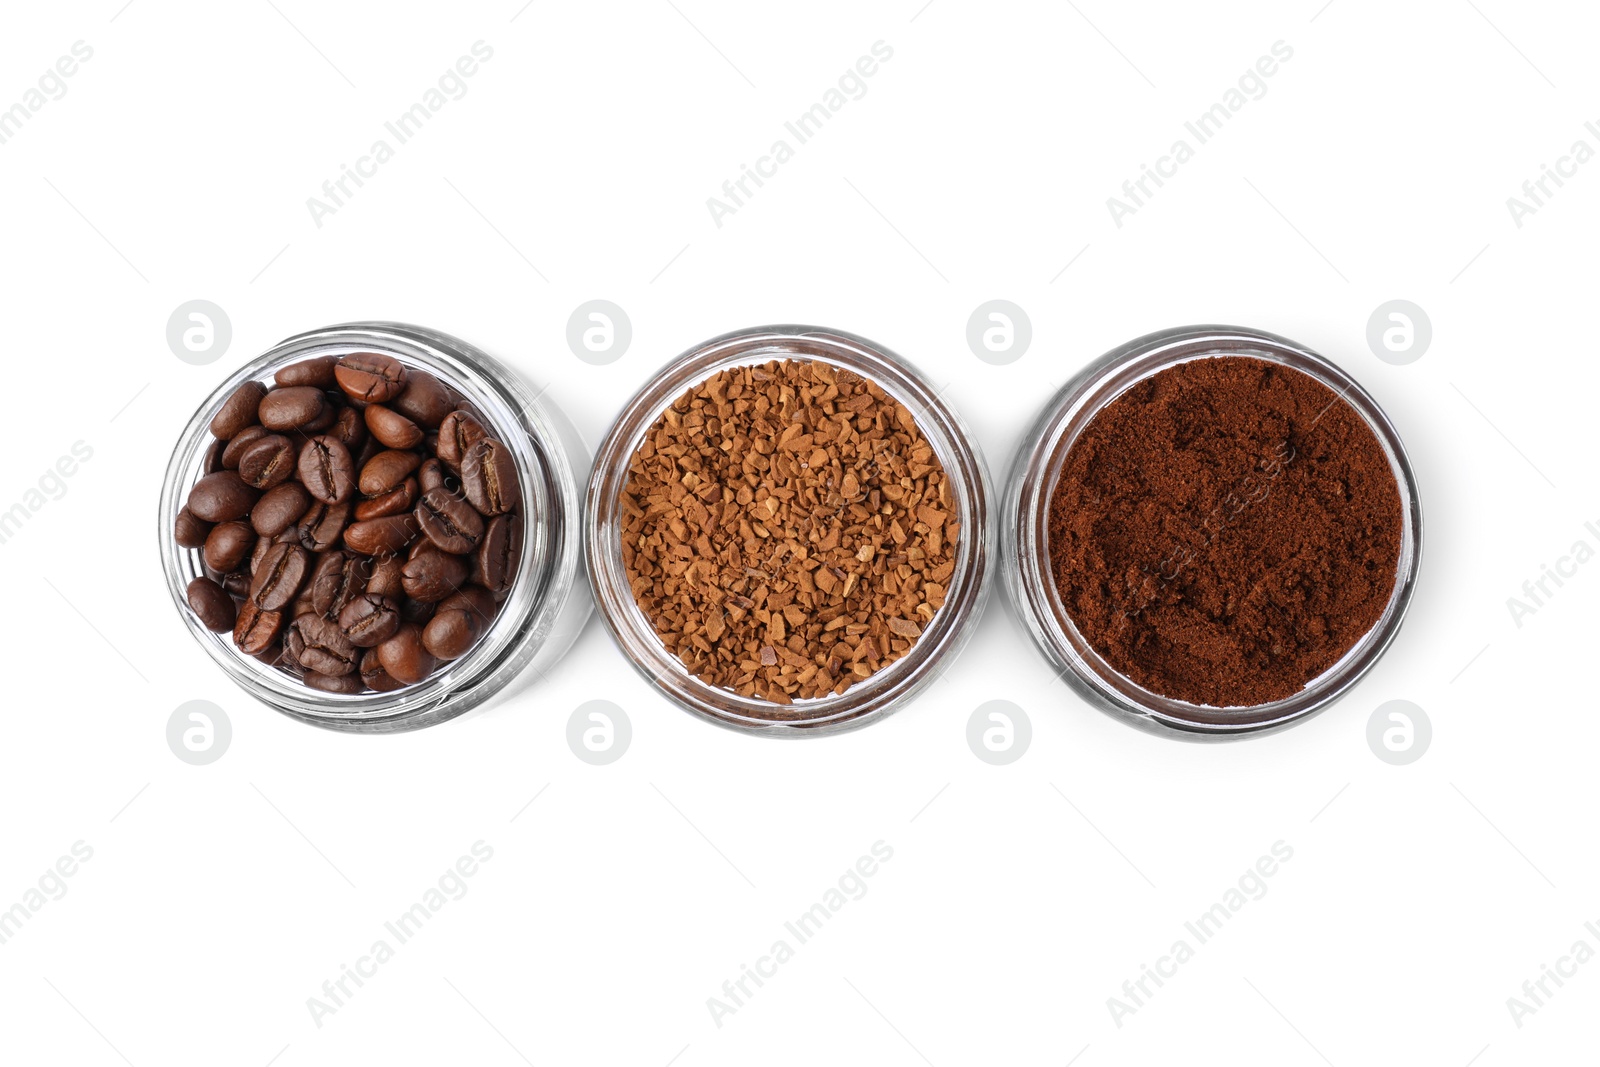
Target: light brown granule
787	529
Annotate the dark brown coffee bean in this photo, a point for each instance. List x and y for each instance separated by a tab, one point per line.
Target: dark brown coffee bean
448	521
329	417
416	611
328	683
221	496
370	377
377	537
474	599
459	431
368	620
267	462
326	469
263	545
500	552
431	474
402	497
316	371
273	655
404	657
385	579
234	450
212	605
426	400
386	470
350	428
238	411
256	628
432	575
292	408
278	508
373	674
190	530
211	462
489	477
392	428
228	545
279	576
235	583
323	524
450	633
337	579
319	645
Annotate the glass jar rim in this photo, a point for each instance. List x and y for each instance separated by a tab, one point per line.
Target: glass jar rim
1037	467
886	690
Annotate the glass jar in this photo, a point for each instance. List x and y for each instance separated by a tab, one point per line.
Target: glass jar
545	607
1030	580
881	692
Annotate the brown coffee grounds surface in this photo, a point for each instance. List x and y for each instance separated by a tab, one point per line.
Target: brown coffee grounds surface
1225	530
787	530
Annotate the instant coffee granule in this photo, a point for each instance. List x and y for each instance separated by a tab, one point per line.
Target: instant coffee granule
787	529
1225	531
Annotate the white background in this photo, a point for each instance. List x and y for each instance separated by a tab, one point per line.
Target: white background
977	166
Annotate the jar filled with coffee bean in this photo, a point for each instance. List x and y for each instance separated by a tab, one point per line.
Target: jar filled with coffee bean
376	527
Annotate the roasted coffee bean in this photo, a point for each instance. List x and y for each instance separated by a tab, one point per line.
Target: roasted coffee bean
211	462
425	401
432	575
370	377
350	428
323	524
489	477
279	576
499	553
329	683
326	469
273	656
212	605
292	408
318	644
233	451
256	628
404	657
385	579
459	431
303	604
228	545
269	461
278	508
373	674
448	521
338	579
376	537
402	497
450	633
263	545
330	414
386	470
475	599
431	474
316	371
391	428
221	496
368	620
235	583
416	611
238	411
190	530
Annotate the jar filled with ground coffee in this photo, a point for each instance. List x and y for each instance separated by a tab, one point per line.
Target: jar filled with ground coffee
375	527
1213	532
789	531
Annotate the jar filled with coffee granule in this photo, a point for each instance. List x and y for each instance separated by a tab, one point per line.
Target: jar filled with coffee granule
788	531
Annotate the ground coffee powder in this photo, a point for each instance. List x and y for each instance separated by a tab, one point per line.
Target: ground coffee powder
1225	530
